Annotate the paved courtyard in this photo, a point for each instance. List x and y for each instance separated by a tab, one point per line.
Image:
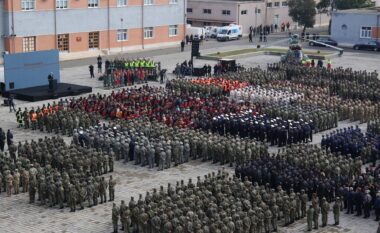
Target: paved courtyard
17	216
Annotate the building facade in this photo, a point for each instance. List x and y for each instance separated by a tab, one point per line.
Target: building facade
356	26
246	13
90	25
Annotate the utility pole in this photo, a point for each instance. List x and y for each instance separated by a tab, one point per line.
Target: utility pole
122	34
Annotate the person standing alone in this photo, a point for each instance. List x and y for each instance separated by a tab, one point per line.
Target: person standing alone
91	68
99	64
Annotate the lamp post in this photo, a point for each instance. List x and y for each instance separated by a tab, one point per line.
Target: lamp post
255	17
122	33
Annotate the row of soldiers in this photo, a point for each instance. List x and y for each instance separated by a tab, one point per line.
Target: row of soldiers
276	131
345	83
264	96
154	144
59	174
353	108
187	86
374	126
348	109
218	203
313	156
55	120
323	119
349	142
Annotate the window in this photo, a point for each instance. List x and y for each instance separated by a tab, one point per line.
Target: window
225	24
122	2
148	2
122	35
269	4
93	40
243	12
284	3
148	32
93	3
277	4
189	22
63	42
29	44
206	24
365	32
173	2
61	4
173	30
258	11
189	10
226	12
28	4
206	11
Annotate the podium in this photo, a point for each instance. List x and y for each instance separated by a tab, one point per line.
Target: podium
53	85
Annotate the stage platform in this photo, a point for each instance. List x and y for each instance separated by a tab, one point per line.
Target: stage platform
43	93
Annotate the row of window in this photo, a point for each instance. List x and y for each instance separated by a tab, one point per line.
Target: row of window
29	43
224	12
64	4
277	4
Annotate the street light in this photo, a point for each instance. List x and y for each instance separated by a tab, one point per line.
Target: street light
122	33
255	17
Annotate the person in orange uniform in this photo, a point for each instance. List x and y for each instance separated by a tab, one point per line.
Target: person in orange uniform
33	119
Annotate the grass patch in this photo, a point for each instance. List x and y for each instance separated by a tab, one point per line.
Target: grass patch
233	52
307	52
252	50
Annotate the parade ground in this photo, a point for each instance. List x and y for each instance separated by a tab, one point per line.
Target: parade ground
17	215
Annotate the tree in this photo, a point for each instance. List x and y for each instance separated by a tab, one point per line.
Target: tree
343	4
325	6
303	12
352	4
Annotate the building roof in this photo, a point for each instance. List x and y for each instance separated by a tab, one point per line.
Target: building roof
372	10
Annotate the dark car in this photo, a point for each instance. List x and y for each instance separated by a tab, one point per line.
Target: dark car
372	45
324	41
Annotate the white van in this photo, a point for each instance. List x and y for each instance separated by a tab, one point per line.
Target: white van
197	32
213	32
231	32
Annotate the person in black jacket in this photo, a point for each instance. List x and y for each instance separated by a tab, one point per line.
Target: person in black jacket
358	198
2	139
9	138
350	201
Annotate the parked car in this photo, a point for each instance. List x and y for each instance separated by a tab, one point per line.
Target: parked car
323	40
372	45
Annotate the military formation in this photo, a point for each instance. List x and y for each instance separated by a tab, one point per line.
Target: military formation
264	96
217	203
221	120
154	144
206	86
322	119
374	126
275	131
60	175
351	142
55	118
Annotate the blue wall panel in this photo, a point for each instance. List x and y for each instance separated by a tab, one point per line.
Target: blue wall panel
30	69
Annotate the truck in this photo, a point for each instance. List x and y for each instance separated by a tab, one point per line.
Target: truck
231	32
197	32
